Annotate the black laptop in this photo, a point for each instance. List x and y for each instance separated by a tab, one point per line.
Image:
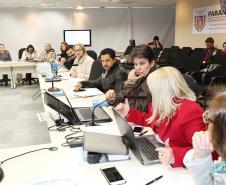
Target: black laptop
76	115
143	147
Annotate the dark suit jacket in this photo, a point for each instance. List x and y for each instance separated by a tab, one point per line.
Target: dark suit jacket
113	80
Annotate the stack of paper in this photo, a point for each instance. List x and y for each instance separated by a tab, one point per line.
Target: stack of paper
87	93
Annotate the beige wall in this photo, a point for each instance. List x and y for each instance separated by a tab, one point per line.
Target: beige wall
183	29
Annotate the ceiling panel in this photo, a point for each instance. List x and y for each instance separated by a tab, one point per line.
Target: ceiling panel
87	3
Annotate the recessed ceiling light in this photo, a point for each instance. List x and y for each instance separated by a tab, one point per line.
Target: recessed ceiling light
79	7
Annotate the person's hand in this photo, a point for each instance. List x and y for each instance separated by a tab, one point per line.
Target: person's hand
157	44
58	57
110	94
73	74
132	75
202	144
63	60
123	108
166	154
78	86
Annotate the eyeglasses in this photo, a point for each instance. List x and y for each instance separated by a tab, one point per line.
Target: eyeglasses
78	50
206	117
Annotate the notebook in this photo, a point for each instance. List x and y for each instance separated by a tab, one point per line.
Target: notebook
77	115
143	147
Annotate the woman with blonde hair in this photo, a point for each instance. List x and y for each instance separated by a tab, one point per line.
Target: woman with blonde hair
173	114
82	61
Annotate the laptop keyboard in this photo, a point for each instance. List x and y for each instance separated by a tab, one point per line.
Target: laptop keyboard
147	148
87	113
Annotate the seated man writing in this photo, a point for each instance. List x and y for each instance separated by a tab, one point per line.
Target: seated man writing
112	76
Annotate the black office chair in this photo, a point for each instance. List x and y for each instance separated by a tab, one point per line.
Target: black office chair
92	54
28	76
156	52
165	57
180	58
20	53
5	80
194	61
96	70
128	50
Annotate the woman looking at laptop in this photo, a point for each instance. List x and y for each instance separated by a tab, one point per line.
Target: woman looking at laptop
173	114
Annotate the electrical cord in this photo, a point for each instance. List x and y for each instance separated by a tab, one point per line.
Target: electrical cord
38	93
50	149
71	140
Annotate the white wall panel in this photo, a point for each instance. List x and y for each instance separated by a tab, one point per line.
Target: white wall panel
20	27
110	27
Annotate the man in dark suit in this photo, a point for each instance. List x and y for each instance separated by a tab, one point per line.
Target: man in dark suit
112	76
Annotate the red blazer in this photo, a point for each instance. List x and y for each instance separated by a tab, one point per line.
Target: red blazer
179	129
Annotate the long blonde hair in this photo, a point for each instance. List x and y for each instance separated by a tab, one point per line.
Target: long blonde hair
167	85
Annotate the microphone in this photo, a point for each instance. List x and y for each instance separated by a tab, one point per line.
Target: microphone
72	110
93	112
1	163
53	89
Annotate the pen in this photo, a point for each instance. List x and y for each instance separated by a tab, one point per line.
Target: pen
154	180
141	134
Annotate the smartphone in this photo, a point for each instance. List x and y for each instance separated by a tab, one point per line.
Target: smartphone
137	130
80	90
112	175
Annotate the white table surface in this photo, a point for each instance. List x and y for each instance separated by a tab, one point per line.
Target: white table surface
69	162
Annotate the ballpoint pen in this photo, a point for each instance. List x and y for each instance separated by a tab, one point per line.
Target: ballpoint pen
141	134
154	180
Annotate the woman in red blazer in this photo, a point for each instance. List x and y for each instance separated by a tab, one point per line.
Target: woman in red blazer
173	114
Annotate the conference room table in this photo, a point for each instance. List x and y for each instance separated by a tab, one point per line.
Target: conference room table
14	67
69	164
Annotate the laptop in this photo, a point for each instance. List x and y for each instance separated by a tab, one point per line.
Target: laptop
78	115
53	79
143	147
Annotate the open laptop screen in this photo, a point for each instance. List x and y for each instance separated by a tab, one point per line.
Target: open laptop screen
59	106
127	134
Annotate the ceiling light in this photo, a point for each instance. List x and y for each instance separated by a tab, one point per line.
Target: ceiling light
79	7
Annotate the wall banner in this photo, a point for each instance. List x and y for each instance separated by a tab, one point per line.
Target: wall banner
209	19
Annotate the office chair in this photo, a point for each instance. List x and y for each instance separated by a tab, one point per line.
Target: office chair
20	53
179	60
191	83
92	54
4	80
28	76
96	70
194	61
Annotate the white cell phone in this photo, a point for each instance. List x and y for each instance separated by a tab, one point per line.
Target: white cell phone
112	175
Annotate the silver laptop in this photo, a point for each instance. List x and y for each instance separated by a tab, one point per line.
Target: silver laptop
143	147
